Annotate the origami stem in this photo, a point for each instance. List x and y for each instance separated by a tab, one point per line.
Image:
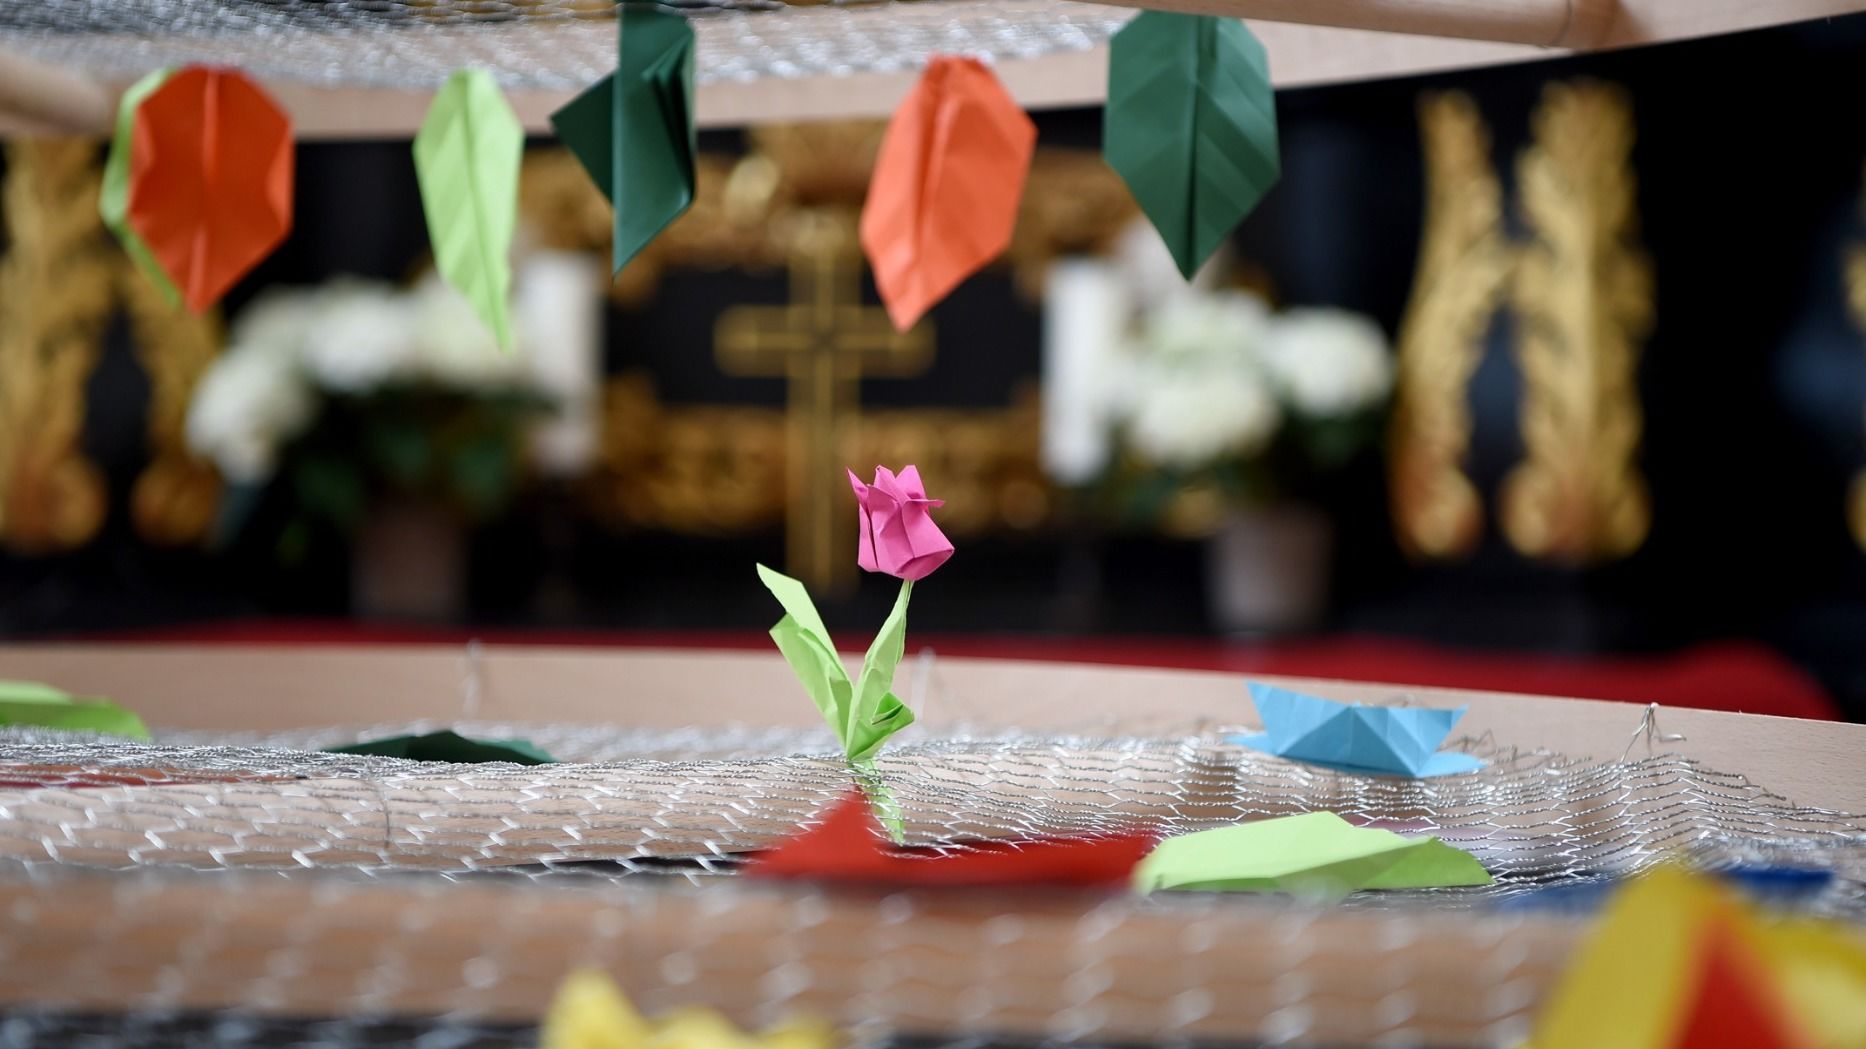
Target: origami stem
887	809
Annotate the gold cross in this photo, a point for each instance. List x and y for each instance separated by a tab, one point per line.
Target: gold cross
825	341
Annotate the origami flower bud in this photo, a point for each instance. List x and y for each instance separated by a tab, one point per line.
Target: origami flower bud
898	534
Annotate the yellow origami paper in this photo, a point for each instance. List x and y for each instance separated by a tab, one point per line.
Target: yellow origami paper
1642	981
590	1012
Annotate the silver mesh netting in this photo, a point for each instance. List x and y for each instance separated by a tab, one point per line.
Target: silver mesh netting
543	44
233	890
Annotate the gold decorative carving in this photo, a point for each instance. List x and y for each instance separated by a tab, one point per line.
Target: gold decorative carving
55	295
744	206
1583	297
1856	300
59	285
177	496
792	201
823	342
1465	262
719	470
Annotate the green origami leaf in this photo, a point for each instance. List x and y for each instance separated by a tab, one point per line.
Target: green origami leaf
804	641
1317	855
451	747
467	158
864	713
633	131
1190	125
43	706
113	203
876	714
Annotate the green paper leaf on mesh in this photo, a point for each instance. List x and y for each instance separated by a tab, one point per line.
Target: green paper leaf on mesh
451	747
43	706
467	159
1190	125
1317	856
633	131
865	712
113	203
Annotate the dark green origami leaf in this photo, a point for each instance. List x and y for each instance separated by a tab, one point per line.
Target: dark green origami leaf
633	131
450	746
1191	126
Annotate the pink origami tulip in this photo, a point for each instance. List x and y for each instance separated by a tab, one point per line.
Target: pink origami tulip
898	534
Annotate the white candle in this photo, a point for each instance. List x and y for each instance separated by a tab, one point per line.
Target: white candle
1085	308
559	305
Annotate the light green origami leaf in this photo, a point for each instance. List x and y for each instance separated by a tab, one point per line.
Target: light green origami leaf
863	713
31	692
113	203
1317	856
467	159
43	706
1190	126
876	714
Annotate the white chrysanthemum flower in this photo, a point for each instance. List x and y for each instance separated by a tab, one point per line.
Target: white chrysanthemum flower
248	403
1328	362
1188	418
1223	327
455	348
276	322
363	337
1148	271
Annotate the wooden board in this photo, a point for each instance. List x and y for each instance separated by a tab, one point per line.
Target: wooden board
273	688
1310	42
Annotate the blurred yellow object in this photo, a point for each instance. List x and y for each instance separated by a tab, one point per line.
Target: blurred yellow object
590	1012
1643	977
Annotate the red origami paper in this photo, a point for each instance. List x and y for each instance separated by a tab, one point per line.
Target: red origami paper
1735	1005
943	199
210	179
848	846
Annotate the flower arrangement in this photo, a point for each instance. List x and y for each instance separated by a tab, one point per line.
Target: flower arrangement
328	398
1215	393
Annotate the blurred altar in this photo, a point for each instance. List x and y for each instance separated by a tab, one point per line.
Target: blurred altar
1547	369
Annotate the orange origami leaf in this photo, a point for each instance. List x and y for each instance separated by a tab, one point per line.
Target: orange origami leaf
210	179
943	199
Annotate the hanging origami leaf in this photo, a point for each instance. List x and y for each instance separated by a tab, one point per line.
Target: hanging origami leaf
1191	126
467	158
210	179
114	203
943	199
633	131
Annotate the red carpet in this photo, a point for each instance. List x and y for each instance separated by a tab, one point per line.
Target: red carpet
1730	675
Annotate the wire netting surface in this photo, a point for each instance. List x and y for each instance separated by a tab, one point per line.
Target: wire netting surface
544	44
172	876
692	802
